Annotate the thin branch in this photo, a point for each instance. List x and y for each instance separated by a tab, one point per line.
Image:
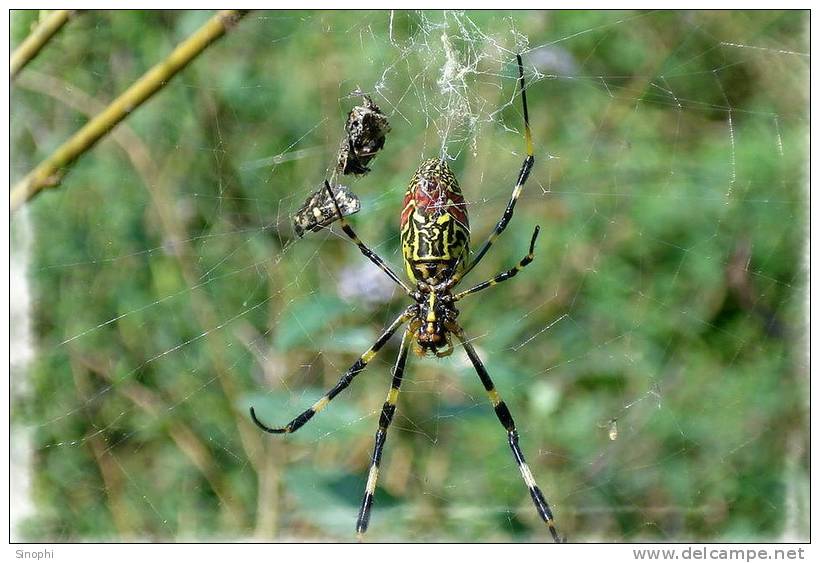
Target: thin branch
172	227
75	98
32	44
50	172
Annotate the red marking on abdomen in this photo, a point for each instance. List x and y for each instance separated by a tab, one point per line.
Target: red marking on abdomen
432	200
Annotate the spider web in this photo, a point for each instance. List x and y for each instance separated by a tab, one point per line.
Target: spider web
652	355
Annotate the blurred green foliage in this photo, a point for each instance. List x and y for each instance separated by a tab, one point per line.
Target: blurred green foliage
666	299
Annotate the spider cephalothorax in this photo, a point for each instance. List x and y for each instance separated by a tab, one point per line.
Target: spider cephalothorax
435	237
435	321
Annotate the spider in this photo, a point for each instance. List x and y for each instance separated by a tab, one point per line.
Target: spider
435	238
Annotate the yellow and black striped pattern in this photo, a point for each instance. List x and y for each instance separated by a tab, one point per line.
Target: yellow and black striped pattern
503	276
354	370
386	417
506	419
435	234
433	250
523	174
372	256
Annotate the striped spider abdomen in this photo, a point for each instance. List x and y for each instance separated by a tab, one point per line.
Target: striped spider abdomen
435	230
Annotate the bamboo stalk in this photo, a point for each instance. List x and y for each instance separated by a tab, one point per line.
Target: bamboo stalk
35	41
50	172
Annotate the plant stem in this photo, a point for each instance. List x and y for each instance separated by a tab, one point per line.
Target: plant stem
50	172
32	44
